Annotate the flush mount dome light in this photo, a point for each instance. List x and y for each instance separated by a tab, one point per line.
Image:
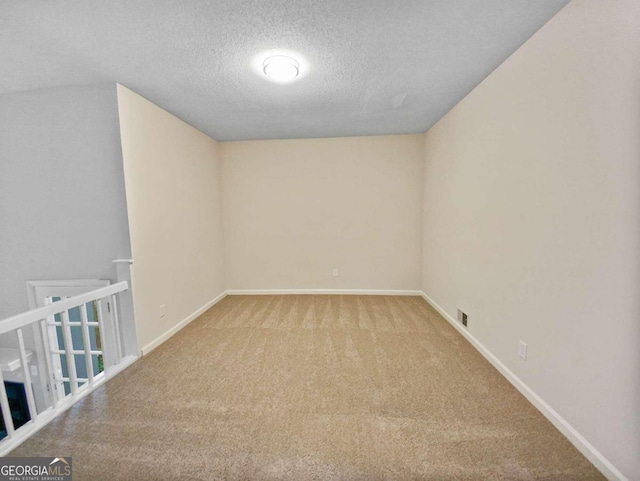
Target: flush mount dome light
281	68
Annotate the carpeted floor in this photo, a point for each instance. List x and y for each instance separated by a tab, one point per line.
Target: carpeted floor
311	388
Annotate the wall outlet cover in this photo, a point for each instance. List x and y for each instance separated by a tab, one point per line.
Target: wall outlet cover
462	317
522	350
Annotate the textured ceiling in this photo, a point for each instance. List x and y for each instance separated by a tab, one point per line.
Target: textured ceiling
369	66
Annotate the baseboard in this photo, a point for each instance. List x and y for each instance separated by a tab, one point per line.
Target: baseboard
160	339
353	292
586	448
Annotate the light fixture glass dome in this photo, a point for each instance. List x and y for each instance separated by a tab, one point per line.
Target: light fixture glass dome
281	68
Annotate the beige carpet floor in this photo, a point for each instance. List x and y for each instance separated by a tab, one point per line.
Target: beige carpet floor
311	388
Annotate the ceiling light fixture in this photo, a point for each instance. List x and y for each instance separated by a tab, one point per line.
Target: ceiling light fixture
280	68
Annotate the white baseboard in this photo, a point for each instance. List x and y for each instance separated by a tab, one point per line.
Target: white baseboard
358	292
586	448
160	339
254	292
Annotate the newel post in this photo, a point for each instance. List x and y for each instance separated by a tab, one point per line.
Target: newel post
127	315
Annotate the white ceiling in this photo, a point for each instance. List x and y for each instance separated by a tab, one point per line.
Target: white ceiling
373	66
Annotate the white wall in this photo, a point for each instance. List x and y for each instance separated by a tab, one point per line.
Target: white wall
532	219
62	203
173	198
296	209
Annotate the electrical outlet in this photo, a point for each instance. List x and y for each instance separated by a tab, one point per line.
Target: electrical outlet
34	370
336	273
163	310
462	317
522	350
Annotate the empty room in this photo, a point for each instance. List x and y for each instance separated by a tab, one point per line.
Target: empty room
331	240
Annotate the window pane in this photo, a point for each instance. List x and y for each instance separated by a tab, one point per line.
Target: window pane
94	337
63	363
76	338
60	337
98	364
74	314
81	365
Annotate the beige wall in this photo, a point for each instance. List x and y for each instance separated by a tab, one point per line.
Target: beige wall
296	209
173	201
532	219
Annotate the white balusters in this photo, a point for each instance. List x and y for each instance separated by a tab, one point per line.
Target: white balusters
106	358
51	377
53	327
87	343
68	347
116	324
28	387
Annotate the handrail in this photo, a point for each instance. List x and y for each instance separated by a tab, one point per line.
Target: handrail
122	261
26	318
